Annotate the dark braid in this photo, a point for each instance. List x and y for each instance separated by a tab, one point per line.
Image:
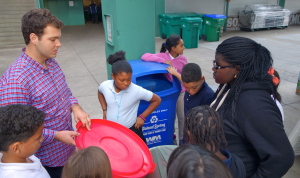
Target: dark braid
204	126
119	63
253	62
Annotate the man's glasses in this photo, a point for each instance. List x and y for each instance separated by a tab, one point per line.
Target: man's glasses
215	66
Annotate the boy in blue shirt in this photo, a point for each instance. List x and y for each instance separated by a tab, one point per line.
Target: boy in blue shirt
197	91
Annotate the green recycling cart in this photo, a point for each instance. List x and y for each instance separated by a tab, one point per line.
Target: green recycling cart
191	27
213	24
162	25
170	23
173	24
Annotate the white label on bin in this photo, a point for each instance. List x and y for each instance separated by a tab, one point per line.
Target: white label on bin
155	126
153	139
153	119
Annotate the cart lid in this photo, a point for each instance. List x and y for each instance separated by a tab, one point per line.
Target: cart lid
129	156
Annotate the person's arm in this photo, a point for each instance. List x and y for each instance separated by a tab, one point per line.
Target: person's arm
103	104
66	136
159	57
263	128
172	70
154	103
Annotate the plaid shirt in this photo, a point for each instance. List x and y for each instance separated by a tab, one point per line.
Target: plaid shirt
28	82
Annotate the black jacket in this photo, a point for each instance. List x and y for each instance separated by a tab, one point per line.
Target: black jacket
256	133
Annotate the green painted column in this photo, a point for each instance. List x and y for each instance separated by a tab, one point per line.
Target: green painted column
129	25
226	11
159	9
40	4
281	3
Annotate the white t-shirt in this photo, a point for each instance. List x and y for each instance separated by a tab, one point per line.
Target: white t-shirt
23	170
128	100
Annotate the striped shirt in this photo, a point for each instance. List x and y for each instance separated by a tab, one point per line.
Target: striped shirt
28	82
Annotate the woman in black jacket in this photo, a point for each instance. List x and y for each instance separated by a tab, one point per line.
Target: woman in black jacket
252	122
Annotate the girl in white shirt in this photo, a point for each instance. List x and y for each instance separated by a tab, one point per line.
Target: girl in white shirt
120	98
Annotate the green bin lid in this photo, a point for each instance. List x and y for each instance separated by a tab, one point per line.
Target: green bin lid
191	19
173	16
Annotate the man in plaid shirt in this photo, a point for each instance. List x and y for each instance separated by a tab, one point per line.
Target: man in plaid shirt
36	79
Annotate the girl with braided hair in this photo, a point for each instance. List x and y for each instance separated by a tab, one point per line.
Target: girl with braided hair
204	126
252	122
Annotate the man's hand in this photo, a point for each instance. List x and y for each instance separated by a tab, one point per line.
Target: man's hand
80	115
66	137
139	122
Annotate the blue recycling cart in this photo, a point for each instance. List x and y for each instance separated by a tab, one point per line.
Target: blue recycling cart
159	125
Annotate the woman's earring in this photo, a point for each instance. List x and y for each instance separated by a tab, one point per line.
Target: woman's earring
235	76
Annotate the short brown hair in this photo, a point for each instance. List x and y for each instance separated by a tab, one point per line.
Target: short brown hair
91	162
36	20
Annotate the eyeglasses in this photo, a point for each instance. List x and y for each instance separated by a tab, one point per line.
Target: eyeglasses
220	67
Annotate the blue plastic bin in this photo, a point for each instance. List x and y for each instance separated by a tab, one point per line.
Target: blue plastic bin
159	126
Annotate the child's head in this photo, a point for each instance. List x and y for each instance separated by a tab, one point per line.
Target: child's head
91	162
192	78
21	128
174	44
193	161
121	70
203	125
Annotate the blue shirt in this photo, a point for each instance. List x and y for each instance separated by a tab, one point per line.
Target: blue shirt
203	97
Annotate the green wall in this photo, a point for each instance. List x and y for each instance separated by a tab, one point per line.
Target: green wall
132	27
159	9
69	15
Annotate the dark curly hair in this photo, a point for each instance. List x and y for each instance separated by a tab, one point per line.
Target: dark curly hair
18	123
204	126
36	20
191	72
119	63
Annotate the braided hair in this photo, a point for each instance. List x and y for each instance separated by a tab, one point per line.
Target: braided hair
253	62
204	126
119	63
172	41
